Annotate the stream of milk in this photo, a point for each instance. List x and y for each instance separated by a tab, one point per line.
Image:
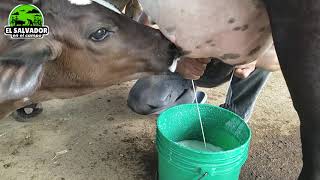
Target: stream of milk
199	115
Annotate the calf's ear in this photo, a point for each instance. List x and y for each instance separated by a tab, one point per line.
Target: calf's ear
21	69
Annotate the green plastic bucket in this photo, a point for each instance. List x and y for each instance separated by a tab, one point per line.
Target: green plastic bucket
221	127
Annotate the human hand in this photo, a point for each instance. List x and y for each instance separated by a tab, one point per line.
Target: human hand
243	71
192	68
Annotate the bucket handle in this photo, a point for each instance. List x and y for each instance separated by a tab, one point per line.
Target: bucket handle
203	176
204	172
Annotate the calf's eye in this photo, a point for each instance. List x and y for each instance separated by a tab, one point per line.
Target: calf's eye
100	35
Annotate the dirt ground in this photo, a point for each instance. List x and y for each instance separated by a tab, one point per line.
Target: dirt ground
98	137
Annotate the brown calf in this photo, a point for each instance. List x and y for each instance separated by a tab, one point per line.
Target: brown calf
89	48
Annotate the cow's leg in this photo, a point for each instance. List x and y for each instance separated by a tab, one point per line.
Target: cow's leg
296	32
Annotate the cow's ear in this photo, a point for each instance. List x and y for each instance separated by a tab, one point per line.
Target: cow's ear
21	70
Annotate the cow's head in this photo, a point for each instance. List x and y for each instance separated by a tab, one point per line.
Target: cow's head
88	46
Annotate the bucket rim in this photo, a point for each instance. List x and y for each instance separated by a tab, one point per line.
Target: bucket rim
175	144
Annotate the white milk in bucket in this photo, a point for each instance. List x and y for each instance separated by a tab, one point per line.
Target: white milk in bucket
200	146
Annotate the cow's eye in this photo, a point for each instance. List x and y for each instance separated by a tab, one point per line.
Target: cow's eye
100	35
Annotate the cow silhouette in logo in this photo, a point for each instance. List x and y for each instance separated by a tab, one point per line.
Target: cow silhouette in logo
16	21
19	22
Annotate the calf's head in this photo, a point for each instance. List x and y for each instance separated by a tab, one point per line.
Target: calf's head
88	46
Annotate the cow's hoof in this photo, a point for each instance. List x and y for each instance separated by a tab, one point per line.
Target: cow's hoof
26	113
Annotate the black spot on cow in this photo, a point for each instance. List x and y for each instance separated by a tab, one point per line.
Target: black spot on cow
258	4
244	27
186	52
230	56
254	51
209	41
212	45
231	20
170	29
260	13
198	47
262	29
236	28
